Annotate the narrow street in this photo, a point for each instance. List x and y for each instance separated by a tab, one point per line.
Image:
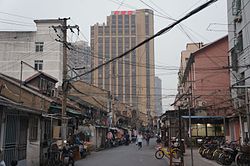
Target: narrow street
124	156
131	156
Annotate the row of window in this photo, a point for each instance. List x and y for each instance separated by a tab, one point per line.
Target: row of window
120	29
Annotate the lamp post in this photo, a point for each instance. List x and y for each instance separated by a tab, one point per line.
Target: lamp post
190	131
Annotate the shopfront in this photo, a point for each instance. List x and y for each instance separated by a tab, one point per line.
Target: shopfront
205	127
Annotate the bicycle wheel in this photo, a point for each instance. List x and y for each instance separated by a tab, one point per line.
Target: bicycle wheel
159	154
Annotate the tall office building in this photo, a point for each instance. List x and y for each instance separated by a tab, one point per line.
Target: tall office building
131	78
79	60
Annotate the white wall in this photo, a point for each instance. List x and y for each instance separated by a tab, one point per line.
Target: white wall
17	46
33	148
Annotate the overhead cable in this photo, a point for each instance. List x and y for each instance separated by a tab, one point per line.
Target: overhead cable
161	32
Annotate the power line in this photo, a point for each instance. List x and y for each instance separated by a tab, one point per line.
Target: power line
16	15
164	30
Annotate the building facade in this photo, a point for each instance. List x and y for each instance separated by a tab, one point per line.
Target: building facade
185	55
206	80
131	78
79	60
239	42
37	48
204	89
158	96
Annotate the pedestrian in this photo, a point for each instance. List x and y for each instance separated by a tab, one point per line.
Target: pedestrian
2	163
139	140
127	140
109	139
147	137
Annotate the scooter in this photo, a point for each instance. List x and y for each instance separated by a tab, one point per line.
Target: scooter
67	156
83	150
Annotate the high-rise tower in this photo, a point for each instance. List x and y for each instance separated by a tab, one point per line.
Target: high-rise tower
131	78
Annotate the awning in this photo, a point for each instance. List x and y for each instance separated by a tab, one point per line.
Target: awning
17	106
203	117
103	127
57	109
73	111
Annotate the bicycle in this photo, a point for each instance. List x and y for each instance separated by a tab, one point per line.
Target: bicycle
161	152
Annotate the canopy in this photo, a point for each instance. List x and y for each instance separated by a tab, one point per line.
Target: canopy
203	117
57	109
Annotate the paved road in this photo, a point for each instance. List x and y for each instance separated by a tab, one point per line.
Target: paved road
124	156
131	156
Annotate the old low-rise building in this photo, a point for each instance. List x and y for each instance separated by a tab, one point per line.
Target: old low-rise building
21	112
204	88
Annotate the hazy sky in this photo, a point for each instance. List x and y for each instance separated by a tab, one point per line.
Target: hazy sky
206	26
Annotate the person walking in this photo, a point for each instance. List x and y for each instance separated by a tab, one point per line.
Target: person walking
147	137
139	140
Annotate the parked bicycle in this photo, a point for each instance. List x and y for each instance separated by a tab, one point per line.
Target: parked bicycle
228	154
161	152
243	157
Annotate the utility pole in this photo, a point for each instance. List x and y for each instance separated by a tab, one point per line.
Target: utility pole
64	27
247	114
110	109
190	125
179	139
64	83
190	131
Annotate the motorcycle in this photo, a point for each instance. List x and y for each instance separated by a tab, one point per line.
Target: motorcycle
243	157
228	154
68	156
83	150
53	155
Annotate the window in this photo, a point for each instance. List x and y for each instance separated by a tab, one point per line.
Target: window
113	25
147	24
120	25
234	59
133	25
39	46
100	30
107	29
33	128
38	65
239	43
41	83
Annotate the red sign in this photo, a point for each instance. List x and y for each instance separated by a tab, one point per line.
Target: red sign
123	12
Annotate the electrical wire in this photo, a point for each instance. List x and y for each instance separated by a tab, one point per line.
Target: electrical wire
159	33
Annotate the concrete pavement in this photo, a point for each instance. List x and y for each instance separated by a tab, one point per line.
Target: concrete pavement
131	156
198	160
124	156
